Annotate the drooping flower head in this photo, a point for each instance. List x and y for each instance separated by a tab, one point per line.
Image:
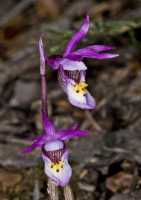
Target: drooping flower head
72	69
52	141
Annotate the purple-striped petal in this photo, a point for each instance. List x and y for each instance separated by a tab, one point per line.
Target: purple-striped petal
59	175
79	35
70	65
63	79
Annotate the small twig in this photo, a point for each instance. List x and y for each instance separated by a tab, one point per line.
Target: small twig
52	191
85	125
95	125
36	191
68	193
116	150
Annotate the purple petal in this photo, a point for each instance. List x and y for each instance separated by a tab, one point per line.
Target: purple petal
79	35
73	56
68	134
29	149
42	58
96	48
38	142
49	126
70	65
54	61
104	56
89	53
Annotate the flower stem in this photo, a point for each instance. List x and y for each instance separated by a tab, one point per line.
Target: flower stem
44	105
52	190
68	193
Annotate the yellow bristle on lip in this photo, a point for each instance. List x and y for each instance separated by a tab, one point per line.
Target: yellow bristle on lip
81	87
57	167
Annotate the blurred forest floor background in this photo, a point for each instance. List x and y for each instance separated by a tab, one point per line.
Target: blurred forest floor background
107	164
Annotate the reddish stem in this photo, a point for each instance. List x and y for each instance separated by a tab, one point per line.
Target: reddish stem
44	106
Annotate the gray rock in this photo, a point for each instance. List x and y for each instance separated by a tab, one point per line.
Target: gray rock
25	93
